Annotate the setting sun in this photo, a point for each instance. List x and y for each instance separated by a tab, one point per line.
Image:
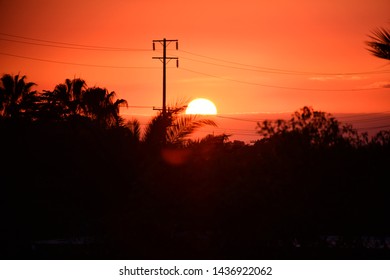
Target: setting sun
201	106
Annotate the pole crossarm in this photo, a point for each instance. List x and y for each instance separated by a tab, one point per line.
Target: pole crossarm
167	57
165	42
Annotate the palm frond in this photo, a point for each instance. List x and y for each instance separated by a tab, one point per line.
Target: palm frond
120	102
135	129
155	131
8	84
178	107
184	126
379	45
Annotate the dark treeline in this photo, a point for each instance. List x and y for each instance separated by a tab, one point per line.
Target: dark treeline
77	181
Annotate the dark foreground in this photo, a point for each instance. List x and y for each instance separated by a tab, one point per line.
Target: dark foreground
363	248
72	190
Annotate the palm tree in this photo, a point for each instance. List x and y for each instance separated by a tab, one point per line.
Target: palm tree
134	127
16	96
74	99
69	94
379	45
98	104
65	100
155	132
183	126
174	128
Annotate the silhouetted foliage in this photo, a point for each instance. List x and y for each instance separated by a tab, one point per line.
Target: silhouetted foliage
65	101
78	183
17	100
70	100
379	44
174	128
312	128
134	127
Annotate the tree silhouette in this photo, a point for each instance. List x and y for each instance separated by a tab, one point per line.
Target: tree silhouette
65	100
16	97
174	128
154	134
99	105
134	126
379	44
313	128
74	99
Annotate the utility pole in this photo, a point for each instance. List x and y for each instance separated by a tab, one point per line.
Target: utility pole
164	59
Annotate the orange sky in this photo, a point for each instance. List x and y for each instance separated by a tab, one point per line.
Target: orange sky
227	51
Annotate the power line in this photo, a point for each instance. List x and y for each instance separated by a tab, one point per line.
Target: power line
234	118
227	132
375	119
359	120
69	47
240	68
250	132
282	71
196	72
278	87
227	61
241	131
58	44
354	122
353	115
374	127
287	72
70	44
359	116
77	64
247	132
141	107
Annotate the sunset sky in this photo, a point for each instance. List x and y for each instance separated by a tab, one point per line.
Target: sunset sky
246	56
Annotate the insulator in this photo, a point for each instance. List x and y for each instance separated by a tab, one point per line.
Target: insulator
177	45
154	47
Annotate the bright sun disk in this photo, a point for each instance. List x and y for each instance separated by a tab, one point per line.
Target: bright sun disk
201	106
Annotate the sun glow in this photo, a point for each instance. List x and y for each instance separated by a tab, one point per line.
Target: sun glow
201	106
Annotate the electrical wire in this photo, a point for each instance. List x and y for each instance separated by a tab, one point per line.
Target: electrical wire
353	115
78	64
189	70
241	131
375	119
140	107
288	72
374	127
282	71
278	87
69	47
71	44
257	68
234	118
58	44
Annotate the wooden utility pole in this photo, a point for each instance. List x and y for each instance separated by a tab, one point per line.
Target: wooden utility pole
164	59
